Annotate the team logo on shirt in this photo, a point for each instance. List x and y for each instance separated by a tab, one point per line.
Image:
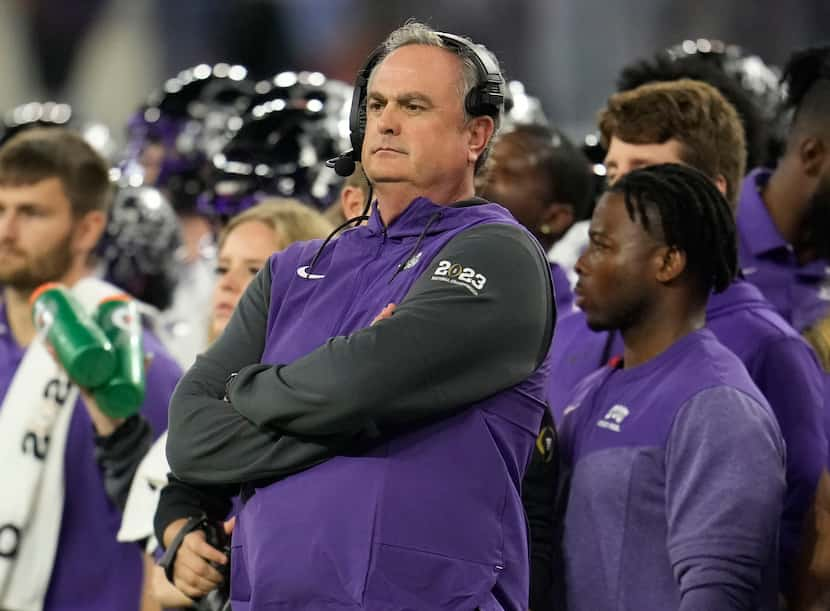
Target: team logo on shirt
614	418
457	274
303	272
545	443
412	261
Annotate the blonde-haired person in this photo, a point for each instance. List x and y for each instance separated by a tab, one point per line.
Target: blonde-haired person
248	240
245	244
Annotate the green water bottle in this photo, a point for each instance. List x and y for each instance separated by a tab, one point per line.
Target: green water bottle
81	347
123	394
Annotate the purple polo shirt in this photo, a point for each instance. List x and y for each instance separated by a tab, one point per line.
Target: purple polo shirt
677	485
778	360
92	571
800	293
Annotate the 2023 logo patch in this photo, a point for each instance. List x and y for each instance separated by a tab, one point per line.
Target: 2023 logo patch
457	274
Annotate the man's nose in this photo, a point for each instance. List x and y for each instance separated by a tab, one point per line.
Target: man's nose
388	120
8	226
580	267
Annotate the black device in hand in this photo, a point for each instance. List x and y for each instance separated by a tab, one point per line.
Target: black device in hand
216	537
218	599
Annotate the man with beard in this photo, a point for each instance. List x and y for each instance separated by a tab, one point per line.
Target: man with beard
784	215
63	461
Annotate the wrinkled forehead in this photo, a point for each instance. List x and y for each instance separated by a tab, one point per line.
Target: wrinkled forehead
418	68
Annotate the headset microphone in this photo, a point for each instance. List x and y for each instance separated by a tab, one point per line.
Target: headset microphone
344	164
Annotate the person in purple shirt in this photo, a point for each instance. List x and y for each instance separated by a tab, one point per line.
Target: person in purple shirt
676	460
779	361
784	214
546	182
378	396
54	194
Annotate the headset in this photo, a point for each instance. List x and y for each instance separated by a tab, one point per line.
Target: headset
485	99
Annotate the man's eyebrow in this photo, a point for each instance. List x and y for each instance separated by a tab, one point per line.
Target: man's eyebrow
414	95
406	96
26	205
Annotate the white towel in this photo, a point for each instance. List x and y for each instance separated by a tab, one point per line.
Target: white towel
34	423
150	478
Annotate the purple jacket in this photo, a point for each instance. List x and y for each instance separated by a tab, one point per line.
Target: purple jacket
416	431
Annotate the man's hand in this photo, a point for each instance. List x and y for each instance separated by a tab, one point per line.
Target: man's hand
104	425
192	573
384	313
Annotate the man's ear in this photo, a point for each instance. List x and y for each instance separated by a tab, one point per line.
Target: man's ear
352	201
670	265
722	185
812	153
480	130
558	218
88	230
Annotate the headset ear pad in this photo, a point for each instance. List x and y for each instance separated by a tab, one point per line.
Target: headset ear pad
487	98
361	129
357	116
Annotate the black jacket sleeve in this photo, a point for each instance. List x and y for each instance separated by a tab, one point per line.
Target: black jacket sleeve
539	498
448	344
181	500
120	454
457	337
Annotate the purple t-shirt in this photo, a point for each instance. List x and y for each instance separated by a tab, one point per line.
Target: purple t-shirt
575	353
677	482
800	293
779	362
92	571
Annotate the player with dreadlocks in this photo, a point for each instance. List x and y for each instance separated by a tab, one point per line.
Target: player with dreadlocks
784	215
690	122
674	442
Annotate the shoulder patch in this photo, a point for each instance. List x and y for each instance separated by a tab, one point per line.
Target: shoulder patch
459	275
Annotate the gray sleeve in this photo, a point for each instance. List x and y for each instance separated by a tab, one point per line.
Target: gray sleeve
208	441
724	495
477	321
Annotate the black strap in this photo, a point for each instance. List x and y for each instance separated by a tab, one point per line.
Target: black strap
168	560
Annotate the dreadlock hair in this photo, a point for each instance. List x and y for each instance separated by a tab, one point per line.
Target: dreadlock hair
694	217
663	68
807	80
